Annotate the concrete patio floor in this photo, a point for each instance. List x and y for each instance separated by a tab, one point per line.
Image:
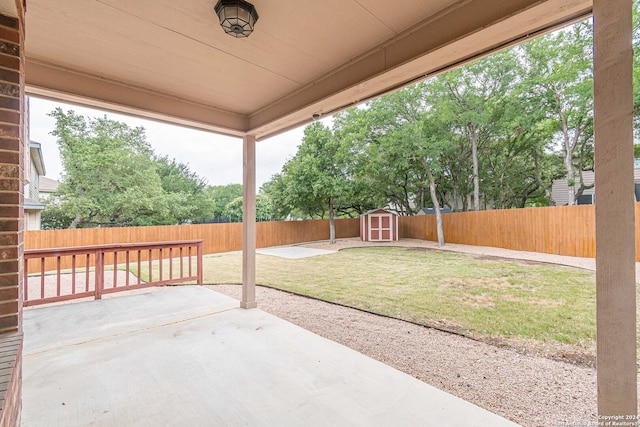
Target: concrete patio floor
189	356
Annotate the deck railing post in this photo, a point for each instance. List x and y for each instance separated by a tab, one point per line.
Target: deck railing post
200	278
99	273
25	282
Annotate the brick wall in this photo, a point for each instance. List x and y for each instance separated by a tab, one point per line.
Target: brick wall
12	154
13	135
10	379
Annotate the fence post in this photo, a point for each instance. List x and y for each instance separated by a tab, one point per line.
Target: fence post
199	246
25	281
99	273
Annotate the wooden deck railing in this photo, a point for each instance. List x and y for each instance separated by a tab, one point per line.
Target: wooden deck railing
61	274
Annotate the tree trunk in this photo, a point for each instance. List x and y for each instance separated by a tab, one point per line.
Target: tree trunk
74	223
332	226
571	177
436	208
476	177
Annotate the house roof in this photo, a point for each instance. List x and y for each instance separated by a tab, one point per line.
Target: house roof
35	150
171	61
30	204
47	185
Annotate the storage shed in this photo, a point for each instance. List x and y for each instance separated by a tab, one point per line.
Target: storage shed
379	225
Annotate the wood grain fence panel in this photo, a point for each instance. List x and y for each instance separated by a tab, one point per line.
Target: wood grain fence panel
563	230
216	238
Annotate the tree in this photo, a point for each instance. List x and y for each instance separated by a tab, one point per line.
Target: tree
185	191
109	176
411	141
559	82
471	100
112	178
316	181
221	196
264	209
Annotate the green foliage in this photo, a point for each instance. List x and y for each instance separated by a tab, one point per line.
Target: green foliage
54	216
222	195
112	178
317	177
264	209
492	134
185	192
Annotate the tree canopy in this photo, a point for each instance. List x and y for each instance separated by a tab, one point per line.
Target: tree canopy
113	178
492	134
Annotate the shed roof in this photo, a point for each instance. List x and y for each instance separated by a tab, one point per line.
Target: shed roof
380	210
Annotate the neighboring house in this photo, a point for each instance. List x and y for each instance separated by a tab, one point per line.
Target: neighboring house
48	186
560	188
32	205
432	211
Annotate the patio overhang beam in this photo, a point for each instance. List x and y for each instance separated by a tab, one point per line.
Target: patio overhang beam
455	37
52	82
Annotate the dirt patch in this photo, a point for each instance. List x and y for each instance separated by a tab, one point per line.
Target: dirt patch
502	259
480	282
532	301
477	301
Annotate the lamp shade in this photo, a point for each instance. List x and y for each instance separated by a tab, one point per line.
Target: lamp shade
237	17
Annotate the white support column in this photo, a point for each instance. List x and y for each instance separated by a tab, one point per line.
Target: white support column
249	222
615	225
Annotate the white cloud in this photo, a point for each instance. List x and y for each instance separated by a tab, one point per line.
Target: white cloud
215	157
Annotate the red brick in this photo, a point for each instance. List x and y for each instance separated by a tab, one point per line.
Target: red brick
9	171
10	89
10	62
10	76
11	198
8	253
10	185
11	144
9	279
11	131
8	225
8	48
10	116
8	323
9	22
9	267
9	34
10	103
9	156
9	307
9	293
9	211
9	239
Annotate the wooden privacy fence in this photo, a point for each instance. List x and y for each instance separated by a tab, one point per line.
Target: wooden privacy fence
562	230
216	238
60	274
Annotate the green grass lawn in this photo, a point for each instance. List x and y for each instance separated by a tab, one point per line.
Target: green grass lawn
480	297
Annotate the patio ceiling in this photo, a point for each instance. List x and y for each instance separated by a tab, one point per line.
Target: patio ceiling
171	61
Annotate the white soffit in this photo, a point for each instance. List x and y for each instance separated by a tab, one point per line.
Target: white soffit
171	61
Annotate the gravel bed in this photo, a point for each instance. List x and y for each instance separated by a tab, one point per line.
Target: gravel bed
530	390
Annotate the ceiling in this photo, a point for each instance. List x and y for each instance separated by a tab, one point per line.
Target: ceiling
170	60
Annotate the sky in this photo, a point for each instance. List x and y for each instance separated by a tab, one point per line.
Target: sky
217	158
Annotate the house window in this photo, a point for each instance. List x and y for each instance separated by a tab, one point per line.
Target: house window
586	199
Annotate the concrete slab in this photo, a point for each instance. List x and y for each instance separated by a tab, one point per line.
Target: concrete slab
189	356
293	252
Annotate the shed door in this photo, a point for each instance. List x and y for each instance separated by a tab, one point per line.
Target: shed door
379	227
